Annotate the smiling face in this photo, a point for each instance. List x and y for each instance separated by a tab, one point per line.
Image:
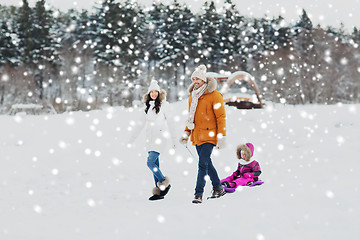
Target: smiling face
197	82
243	155
154	94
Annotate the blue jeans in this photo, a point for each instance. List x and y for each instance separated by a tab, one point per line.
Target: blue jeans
206	168
153	164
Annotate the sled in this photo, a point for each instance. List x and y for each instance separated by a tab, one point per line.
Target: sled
250	184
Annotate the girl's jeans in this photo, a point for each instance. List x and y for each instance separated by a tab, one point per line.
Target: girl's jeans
206	168
153	164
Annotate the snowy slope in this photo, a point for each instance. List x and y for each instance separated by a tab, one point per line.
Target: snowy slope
71	176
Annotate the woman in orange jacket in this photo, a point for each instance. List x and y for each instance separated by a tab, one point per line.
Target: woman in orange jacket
206	126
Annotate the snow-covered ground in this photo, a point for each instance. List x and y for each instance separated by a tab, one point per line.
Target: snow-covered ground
71	176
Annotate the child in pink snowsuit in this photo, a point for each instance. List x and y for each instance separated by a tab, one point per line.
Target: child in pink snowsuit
248	169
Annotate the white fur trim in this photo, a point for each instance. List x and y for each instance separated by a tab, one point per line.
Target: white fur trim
211	85
243	162
247	151
162	96
156	191
164	184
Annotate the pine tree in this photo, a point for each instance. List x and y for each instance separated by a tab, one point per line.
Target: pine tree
83	25
304	24
44	53
8	50
283	34
207	31
309	58
356	35
254	39
119	42
118	49
173	31
131	28
153	31
106	41
25	28
67	26
185	38
232	54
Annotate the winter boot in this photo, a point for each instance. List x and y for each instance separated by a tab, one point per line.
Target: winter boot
164	186
156	194
197	199
217	193
161	190
163	193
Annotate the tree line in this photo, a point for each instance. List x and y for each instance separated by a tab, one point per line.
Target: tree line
80	60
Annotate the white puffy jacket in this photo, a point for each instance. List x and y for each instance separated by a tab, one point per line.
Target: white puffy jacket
159	129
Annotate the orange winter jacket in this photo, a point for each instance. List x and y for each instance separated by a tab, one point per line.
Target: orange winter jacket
210	117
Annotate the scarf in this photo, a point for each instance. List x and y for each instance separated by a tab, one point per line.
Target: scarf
196	94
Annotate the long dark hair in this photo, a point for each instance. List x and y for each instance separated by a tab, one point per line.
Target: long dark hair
157	103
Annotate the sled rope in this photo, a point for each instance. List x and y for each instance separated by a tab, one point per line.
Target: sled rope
192	155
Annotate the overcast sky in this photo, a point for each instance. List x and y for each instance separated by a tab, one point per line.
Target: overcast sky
323	12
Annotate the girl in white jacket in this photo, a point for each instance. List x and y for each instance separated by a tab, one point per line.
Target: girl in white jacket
158	131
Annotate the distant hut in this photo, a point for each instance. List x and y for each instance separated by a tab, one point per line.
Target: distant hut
238	95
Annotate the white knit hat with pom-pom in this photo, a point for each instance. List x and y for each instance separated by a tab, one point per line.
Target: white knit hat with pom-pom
154	86
200	72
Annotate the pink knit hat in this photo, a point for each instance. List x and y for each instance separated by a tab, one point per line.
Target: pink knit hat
251	148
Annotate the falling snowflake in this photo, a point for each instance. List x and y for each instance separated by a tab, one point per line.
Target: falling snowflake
217	106
55	172
97	153
340	140
62	145
161	219
259	236
70	120
116	161
37	209
88	185
91	202
330	194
